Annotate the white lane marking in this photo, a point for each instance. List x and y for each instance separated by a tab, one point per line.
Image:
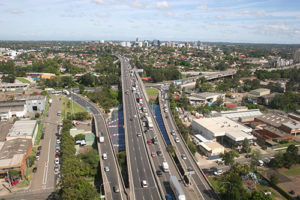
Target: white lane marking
45	177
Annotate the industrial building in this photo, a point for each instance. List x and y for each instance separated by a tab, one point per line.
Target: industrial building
13	155
209	148
205	98
245	115
9	109
281	122
25	129
254	94
13	86
35	103
38	76
222	129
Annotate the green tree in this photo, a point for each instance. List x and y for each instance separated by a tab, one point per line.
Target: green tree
197	85
220	100
258	195
171	150
80	137
246	146
255	157
228	157
81	88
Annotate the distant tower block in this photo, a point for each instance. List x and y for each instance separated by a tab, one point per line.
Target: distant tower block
137	39
297	56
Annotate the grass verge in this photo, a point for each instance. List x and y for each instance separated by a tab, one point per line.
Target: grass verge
39	134
152	93
292	172
67	106
23	80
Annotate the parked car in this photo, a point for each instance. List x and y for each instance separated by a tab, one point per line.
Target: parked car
56	160
39	148
56	168
149	142
218	172
34	169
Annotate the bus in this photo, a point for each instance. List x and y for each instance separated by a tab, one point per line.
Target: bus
150	124
176	188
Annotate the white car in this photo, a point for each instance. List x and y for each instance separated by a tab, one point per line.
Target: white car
183	156
218	172
58	141
177	140
144	184
104	156
106	168
56	160
173	132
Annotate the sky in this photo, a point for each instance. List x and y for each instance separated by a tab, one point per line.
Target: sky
245	21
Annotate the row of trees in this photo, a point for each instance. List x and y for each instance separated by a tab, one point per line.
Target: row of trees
106	98
73	185
289	101
287	159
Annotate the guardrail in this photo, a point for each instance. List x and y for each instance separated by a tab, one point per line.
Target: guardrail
149	159
115	158
154	120
98	145
191	155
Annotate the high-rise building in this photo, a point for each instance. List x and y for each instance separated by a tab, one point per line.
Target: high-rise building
297	56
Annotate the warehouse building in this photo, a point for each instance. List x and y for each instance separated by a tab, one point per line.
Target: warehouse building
35	103
286	124
9	109
13	155
245	115
205	98
223	130
25	129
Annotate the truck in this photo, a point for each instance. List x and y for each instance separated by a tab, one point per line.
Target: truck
177	189
101	137
165	166
150	124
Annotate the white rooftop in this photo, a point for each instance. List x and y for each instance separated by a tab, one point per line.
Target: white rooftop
22	128
221	126
237	114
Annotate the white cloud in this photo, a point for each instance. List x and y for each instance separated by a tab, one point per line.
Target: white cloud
255	13
102	2
137	4
162	5
16	12
202	7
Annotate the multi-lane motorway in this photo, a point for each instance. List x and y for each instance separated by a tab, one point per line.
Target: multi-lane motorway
111	178
139	168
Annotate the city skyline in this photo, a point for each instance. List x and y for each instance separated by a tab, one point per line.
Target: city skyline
245	21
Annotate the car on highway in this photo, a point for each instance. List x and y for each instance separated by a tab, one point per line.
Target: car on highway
106	168
56	160
149	142
139	134
116	189
159	172
173	132
104	156
183	156
159	153
34	169
153	154
144	183
177	140
190	169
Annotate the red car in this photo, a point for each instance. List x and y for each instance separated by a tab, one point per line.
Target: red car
153	154
149	142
